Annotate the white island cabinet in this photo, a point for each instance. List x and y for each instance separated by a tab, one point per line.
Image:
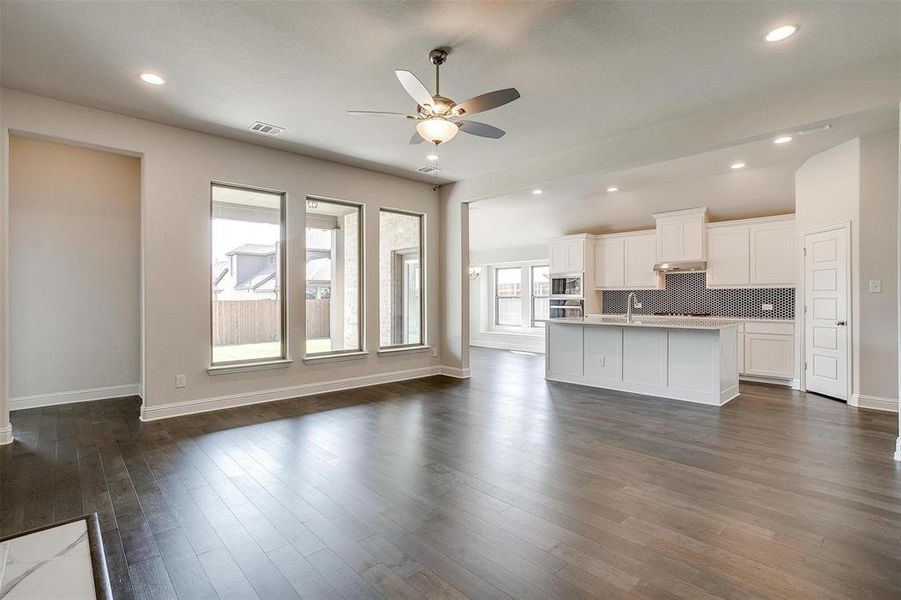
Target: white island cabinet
676	358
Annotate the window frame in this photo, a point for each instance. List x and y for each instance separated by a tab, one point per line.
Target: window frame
282	274
496	297
533	322
423	279
361	280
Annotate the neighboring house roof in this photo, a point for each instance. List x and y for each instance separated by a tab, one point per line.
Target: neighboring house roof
219	271
319	269
266	274
254	249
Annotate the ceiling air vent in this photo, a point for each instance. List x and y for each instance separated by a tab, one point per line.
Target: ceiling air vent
266	128
428	169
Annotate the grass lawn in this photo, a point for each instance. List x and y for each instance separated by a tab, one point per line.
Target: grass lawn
264	350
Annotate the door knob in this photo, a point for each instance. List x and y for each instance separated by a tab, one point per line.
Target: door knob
841	323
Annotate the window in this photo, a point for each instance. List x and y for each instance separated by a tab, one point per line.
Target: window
541	291
248	313
400	279
333	277
508	296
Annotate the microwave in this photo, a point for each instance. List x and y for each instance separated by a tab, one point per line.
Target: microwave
567	285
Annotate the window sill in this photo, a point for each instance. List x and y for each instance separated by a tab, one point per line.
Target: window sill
336	357
246	367
403	350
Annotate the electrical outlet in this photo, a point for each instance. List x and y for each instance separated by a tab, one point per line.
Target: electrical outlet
767	307
602	361
875	286
434	352
180	380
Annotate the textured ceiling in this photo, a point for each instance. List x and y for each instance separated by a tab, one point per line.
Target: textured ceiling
586	70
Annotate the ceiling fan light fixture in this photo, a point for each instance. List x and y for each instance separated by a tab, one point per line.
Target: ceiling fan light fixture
436	130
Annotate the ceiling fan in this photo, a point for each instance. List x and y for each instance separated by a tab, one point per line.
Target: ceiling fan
439	118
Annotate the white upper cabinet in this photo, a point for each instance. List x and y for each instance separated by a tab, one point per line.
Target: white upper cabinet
773	253
567	254
728	255
625	261
681	235
640	256
609	263
752	253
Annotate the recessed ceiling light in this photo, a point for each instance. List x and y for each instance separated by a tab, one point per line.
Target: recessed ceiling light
782	139
536	192
780	33
432	157
738	165
152	79
612	188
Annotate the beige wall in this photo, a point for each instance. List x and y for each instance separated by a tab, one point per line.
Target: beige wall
178	166
827	192
879	260
857	182
75	268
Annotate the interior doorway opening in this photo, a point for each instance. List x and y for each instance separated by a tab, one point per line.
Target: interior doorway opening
74	274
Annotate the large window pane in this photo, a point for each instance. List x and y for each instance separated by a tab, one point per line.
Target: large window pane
508	296
400	279
247	282
541	290
332	277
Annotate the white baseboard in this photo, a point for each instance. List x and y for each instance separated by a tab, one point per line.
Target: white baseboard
6	435
874	402
177	409
39	400
507	341
455	372
793	383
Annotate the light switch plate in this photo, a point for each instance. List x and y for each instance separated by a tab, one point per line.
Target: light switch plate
875	286
180	380
767	307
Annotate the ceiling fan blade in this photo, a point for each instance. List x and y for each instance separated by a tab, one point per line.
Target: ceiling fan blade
414	87
416	139
377	113
481	129
486	101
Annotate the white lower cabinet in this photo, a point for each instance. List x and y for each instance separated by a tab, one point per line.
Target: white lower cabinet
767	349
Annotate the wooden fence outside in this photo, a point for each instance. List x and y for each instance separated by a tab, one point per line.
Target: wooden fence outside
257	321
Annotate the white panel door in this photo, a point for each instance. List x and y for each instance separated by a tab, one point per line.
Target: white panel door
727	255
773	253
769	355
576	258
669	240
559	257
693	238
608	263
564	349
640	256
826	312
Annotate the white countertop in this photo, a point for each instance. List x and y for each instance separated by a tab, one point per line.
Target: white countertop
648	322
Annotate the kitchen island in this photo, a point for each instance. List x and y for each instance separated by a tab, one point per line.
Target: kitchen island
678	358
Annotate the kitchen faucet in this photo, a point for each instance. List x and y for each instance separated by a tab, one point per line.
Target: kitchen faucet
632	300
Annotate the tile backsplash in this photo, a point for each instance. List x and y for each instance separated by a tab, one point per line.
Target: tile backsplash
688	293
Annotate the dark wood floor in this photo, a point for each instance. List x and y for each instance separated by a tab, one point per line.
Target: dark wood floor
501	486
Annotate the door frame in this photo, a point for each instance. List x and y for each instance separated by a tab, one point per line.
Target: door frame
801	302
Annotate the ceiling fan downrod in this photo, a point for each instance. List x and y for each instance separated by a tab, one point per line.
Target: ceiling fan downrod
438	56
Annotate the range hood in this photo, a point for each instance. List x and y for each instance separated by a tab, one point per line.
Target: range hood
681	266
